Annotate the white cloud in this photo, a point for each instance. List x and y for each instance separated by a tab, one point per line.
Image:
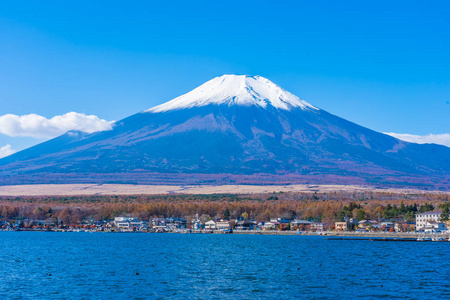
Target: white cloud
37	126
440	139
6	150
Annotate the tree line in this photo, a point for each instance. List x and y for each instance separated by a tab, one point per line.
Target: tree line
319	207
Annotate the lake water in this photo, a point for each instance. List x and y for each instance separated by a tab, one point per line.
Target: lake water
206	266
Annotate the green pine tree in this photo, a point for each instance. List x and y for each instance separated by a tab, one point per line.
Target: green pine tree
444	214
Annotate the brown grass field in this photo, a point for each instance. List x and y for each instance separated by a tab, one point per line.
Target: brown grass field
128	189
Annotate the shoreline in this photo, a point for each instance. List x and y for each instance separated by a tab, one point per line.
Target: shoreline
401	235
345	235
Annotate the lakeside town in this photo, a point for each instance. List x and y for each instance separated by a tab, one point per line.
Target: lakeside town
431	222
358	214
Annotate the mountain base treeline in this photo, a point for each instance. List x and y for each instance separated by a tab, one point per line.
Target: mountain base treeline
319	207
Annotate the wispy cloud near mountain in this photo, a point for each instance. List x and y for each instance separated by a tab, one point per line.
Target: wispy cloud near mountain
6	151
440	139
37	126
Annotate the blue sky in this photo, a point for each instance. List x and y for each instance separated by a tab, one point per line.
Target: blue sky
382	65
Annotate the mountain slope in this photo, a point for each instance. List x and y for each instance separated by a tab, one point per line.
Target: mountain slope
234	125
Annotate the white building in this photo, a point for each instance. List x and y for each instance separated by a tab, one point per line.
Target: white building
297	223
269	226
318	226
433	226
128	223
423	218
210	225
222	225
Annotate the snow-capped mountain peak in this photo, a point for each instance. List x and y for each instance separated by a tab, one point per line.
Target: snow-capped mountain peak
235	90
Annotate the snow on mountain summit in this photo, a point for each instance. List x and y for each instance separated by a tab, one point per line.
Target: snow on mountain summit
235	90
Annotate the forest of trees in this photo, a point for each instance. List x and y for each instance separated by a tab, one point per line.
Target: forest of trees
326	207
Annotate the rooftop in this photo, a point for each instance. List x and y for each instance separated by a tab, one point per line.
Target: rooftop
430	212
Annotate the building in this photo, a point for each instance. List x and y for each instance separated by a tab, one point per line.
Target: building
404	226
319	226
245	225
211	224
387	226
341	226
223	225
433	226
423	218
280	223
268	225
368	224
196	224
300	225
158	222
175	224
128	223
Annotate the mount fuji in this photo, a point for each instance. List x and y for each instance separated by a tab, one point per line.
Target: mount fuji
231	129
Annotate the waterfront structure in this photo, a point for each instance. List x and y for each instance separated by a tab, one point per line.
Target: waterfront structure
158	222
197	225
423	218
404	226
341	226
433	226
217	225
319	226
368	224
128	223
222	225
300	224
268	225
387	226
175	224
211	224
245	225
280	223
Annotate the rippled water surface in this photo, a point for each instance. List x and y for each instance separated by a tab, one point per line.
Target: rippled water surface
196	266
